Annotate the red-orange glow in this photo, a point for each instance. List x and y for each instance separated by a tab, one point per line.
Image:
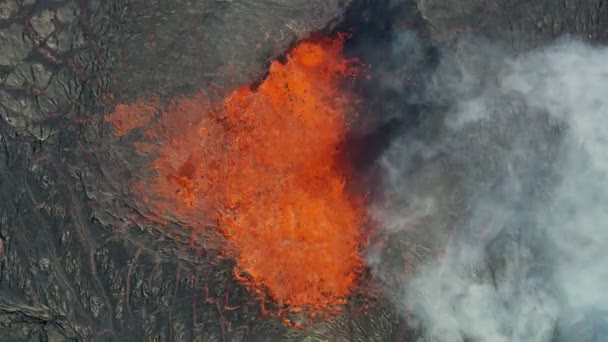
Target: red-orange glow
263	165
129	117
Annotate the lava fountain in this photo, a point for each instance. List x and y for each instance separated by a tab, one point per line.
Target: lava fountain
263	166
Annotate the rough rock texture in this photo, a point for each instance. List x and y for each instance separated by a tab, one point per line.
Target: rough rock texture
525	23
77	260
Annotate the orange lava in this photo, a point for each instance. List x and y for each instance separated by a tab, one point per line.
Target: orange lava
263	165
129	117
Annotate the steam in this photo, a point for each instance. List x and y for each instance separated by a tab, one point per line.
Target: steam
506	189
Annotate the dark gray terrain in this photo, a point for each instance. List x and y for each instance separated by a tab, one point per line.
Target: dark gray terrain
78	262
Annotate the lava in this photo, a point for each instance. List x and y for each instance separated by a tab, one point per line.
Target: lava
263	167
129	117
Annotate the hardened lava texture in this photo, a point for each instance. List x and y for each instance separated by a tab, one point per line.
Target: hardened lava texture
80	258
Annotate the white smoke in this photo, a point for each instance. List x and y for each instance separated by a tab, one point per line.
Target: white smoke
509	187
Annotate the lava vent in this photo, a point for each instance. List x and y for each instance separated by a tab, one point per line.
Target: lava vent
262	166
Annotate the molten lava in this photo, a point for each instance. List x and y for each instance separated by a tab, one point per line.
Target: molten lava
129	117
263	164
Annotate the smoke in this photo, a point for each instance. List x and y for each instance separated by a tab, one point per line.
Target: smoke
496	205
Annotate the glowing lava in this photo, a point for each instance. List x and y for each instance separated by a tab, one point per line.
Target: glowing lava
263	164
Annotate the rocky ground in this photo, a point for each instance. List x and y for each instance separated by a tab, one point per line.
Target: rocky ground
76	261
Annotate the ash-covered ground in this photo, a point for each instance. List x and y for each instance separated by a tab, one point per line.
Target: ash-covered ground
481	133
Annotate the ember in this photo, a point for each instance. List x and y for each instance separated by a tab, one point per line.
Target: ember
263	163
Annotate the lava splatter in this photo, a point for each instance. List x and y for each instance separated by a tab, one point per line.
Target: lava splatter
263	167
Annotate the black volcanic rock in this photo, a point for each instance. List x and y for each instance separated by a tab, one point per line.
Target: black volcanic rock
76	263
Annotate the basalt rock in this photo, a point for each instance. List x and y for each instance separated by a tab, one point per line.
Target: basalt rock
79	258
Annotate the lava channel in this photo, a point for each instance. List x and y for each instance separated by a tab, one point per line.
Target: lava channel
264	166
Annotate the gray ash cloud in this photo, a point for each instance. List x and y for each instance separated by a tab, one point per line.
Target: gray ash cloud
498	198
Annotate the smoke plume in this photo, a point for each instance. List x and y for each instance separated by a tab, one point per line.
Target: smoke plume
498	200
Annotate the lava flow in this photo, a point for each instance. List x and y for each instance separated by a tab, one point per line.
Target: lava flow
263	165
